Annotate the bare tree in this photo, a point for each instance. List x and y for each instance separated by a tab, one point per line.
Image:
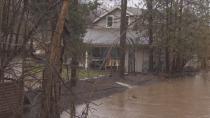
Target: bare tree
74	62
52	84
123	30
149	4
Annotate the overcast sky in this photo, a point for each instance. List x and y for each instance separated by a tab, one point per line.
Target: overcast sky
111	3
114	2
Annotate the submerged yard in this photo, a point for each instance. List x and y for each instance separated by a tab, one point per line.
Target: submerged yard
104	59
187	97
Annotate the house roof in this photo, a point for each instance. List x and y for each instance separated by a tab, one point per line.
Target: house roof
111	37
135	11
130	11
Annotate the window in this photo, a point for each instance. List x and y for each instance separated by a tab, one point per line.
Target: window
96	52
99	52
109	21
115	53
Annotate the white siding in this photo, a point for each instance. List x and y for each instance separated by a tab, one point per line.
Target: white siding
141	58
126	61
116	21
139	61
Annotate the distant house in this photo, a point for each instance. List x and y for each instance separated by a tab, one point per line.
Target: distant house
104	37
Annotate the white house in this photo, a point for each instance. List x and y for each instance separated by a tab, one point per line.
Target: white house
104	38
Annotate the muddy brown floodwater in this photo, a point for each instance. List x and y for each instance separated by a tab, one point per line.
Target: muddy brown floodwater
175	98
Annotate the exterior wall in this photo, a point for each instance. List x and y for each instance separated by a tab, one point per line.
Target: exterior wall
139	61
126	61
141	58
116	21
100	34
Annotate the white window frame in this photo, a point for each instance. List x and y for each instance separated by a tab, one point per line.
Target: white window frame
107	21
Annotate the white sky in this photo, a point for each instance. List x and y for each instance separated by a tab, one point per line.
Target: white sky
111	3
115	2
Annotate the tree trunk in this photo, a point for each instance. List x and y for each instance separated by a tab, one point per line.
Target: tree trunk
74	62
74	66
167	50
123	30
204	63
1	75
51	82
150	32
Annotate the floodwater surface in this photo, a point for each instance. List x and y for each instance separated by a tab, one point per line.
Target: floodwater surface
173	98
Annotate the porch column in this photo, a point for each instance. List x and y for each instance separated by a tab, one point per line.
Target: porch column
86	60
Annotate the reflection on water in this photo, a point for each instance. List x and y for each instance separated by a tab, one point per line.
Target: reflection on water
176	98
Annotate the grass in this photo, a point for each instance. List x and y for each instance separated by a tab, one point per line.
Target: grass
83	74
37	70
91	73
